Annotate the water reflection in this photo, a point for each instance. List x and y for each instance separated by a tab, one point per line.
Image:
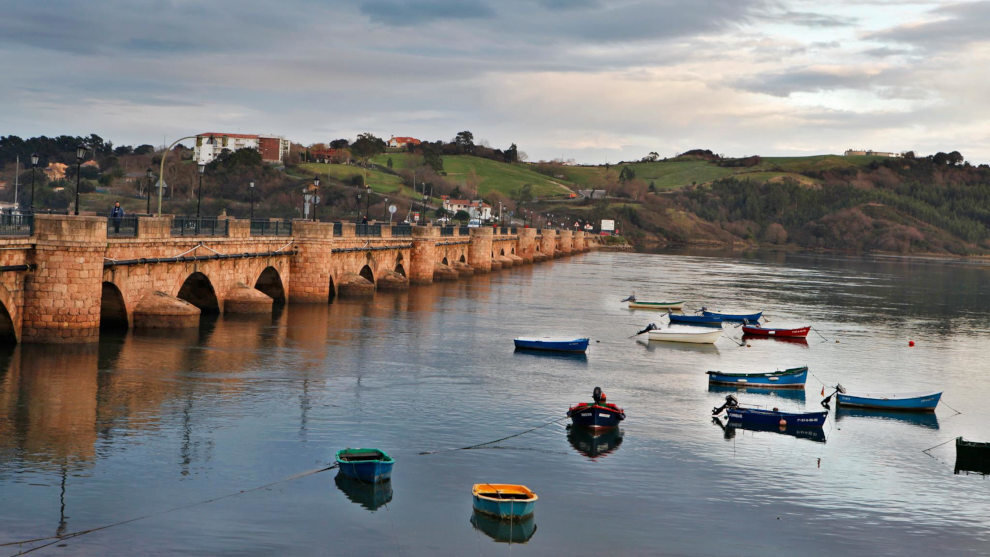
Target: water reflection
729	428
796	341
660	346
369	496
796	395
594	444
579	357
505	531
921	419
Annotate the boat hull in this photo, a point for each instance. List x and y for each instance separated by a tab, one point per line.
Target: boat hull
655	305
915	402
972	456
762	417
697	320
366	465
504	501
552	344
735	317
692	337
801	332
595	416
793	378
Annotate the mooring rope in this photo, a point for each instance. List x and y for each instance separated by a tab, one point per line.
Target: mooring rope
557	420
820	334
957	412
63	537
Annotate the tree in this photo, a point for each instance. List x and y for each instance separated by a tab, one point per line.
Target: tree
144	149
431	157
653	156
464	142
339	144
366	146
511	154
462	216
626	174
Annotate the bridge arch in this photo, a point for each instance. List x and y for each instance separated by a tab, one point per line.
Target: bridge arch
368	274
462	259
332	291
9	332
113	309
399	269
444	261
198	291
270	282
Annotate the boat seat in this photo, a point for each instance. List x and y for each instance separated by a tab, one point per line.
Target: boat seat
362	455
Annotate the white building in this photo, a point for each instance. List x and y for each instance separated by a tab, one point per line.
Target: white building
477	209
210	145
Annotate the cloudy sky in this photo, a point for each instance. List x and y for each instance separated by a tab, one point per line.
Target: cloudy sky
590	80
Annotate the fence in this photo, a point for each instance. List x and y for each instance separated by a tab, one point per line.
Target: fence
271	227
202	226
123	227
447	231
402	230
16	224
367	230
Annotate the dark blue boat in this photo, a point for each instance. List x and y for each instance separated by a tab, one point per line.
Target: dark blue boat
596	415
793	378
699	320
367	465
760	416
552	344
736	317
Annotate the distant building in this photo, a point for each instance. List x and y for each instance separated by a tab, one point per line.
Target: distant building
853	153
477	209
401	142
329	155
593	194
209	145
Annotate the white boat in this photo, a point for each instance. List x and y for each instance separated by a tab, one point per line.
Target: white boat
639	304
693	335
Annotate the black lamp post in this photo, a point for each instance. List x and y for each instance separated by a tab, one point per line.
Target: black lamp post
252	200
199	191
367	201
316	195
80	155
151	177
34	164
385	212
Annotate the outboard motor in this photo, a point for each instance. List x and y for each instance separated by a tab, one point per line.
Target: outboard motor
730	402
838	389
597	395
650	327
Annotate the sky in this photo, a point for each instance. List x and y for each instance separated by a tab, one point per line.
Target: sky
586	81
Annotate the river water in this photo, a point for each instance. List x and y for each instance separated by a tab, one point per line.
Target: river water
212	438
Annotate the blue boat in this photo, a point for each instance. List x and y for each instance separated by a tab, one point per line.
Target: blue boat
552	344
792	378
596	415
737	317
912	402
367	465
504	501
756	417
699	320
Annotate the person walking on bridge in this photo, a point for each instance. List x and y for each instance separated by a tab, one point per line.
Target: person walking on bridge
116	215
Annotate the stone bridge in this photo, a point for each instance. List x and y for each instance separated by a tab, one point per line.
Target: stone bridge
69	279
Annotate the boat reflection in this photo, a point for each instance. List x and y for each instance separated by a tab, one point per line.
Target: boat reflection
505	531
369	496
922	419
657	346
796	395
573	356
729	428
594	444
789	340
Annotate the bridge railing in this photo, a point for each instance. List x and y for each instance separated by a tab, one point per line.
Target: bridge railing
21	224
367	229
447	231
338	229
402	230
124	227
464	231
265	227
201	226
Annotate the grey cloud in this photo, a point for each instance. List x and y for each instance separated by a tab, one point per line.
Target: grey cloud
953	26
784	83
811	19
403	13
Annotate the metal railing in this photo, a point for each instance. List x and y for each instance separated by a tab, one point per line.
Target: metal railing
265	227
367	230
514	230
123	227
464	231
447	231
202	226
337	229
503	230
402	230
16	224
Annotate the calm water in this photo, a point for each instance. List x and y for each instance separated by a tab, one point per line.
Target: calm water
143	425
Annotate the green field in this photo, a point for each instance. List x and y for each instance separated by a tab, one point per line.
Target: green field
485	175
380	182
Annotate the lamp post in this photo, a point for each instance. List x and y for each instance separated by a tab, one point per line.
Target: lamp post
252	200
161	174
80	155
147	191
367	201
316	195
199	191
34	164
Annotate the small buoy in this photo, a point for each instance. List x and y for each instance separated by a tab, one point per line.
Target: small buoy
783	422
910	343
837	341
748	345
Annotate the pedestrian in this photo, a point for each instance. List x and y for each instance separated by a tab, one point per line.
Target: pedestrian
364	220
116	214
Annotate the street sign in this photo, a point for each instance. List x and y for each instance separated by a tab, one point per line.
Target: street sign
392	209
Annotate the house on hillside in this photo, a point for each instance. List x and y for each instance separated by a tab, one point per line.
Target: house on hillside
477	208
209	145
402	142
853	153
327	155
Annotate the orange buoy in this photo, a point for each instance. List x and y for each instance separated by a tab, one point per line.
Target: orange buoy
910	343
783	422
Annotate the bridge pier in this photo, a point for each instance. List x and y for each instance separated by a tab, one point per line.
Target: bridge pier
480	250
158	310
310	267
548	243
423	255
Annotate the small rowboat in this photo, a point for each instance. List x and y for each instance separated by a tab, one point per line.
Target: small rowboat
635	304
739	317
693	335
792	378
596	415
553	344
762	417
699	320
505	501
915	402
800	332
973	456
367	465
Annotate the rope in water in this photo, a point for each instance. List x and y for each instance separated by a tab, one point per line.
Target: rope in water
820	334
63	537
541	426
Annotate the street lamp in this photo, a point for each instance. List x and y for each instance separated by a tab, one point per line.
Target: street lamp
316	195
80	155
252	200
199	191
385	214
210	141
367	202
34	164
147	191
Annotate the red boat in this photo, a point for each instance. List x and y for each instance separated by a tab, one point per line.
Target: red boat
801	332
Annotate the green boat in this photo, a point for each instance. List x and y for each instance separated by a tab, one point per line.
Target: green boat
635	304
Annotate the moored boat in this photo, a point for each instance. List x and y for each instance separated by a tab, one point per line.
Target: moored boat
596	415
505	501
812	433
552	344
748	416
793	378
737	317
972	456
693	335
638	304
698	320
367	465
911	402
799	332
